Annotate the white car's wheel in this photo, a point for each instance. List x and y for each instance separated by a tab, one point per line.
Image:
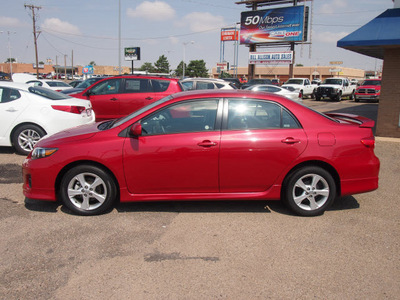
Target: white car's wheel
25	138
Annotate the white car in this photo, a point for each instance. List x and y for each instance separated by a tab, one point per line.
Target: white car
205	84
55	85
28	113
301	85
292	95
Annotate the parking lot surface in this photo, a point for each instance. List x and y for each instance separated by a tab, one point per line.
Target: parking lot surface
204	250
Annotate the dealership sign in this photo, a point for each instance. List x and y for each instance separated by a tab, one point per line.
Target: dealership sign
132	53
284	24
271	57
88	69
229	35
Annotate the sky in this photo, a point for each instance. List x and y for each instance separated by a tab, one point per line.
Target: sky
177	29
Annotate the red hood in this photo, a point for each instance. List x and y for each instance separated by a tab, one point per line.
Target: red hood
72	134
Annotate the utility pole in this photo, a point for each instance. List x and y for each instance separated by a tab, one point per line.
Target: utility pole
35	34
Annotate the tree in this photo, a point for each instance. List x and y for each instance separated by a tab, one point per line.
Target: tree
162	65
11	59
92	63
299	65
179	69
197	68
147	67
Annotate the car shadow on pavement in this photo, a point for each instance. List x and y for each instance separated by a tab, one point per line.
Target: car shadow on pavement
41	206
344	203
195	206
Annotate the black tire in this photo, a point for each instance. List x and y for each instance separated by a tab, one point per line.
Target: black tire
339	97
317	98
25	137
356	99
351	97
88	190
309	191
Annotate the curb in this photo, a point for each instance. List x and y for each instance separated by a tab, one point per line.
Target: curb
387	139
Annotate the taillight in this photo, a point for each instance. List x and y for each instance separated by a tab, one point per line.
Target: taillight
69	108
368	142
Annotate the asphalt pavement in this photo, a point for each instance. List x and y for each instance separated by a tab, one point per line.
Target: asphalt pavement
204	250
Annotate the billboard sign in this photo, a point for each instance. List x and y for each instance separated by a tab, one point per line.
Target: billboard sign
88	69
132	53
285	24
259	58
229	35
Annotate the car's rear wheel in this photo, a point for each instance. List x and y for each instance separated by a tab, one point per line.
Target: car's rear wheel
88	190
25	138
309	191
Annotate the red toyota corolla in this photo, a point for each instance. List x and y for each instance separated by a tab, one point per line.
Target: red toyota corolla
207	145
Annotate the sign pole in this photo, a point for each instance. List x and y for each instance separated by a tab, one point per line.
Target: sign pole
132	67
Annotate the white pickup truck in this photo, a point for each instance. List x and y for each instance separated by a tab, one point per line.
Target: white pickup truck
335	88
301	85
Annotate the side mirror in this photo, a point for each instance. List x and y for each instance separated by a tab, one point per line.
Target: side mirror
136	129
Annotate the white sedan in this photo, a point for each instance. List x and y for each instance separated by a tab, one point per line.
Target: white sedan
55	85
27	113
292	95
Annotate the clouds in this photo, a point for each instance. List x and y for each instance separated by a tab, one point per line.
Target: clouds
199	21
10	22
153	11
333	6
158	11
58	26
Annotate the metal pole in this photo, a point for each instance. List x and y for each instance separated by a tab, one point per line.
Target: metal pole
119	38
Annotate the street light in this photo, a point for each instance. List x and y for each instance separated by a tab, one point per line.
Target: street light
9	50
183	64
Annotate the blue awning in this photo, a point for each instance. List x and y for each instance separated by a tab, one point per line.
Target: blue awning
372	38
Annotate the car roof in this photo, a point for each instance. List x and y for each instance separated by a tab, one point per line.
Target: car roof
16	85
221	93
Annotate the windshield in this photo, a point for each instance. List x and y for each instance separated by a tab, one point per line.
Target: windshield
372	82
333	81
143	109
88	82
47	93
294	81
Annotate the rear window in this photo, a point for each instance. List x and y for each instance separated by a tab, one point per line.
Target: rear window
57	83
160	85
47	93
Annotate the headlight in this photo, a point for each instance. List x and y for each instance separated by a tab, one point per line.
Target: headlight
43	152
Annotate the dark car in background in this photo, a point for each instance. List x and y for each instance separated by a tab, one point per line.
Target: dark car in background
235	81
256	81
82	86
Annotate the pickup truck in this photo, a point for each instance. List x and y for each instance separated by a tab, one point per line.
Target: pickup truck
369	90
335	88
301	85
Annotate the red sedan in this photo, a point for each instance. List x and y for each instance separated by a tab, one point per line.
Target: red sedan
208	145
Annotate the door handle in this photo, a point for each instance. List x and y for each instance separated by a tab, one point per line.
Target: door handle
149	98
113	99
207	143
290	140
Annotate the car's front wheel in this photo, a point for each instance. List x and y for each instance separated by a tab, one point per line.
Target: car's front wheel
309	191
88	190
25	138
